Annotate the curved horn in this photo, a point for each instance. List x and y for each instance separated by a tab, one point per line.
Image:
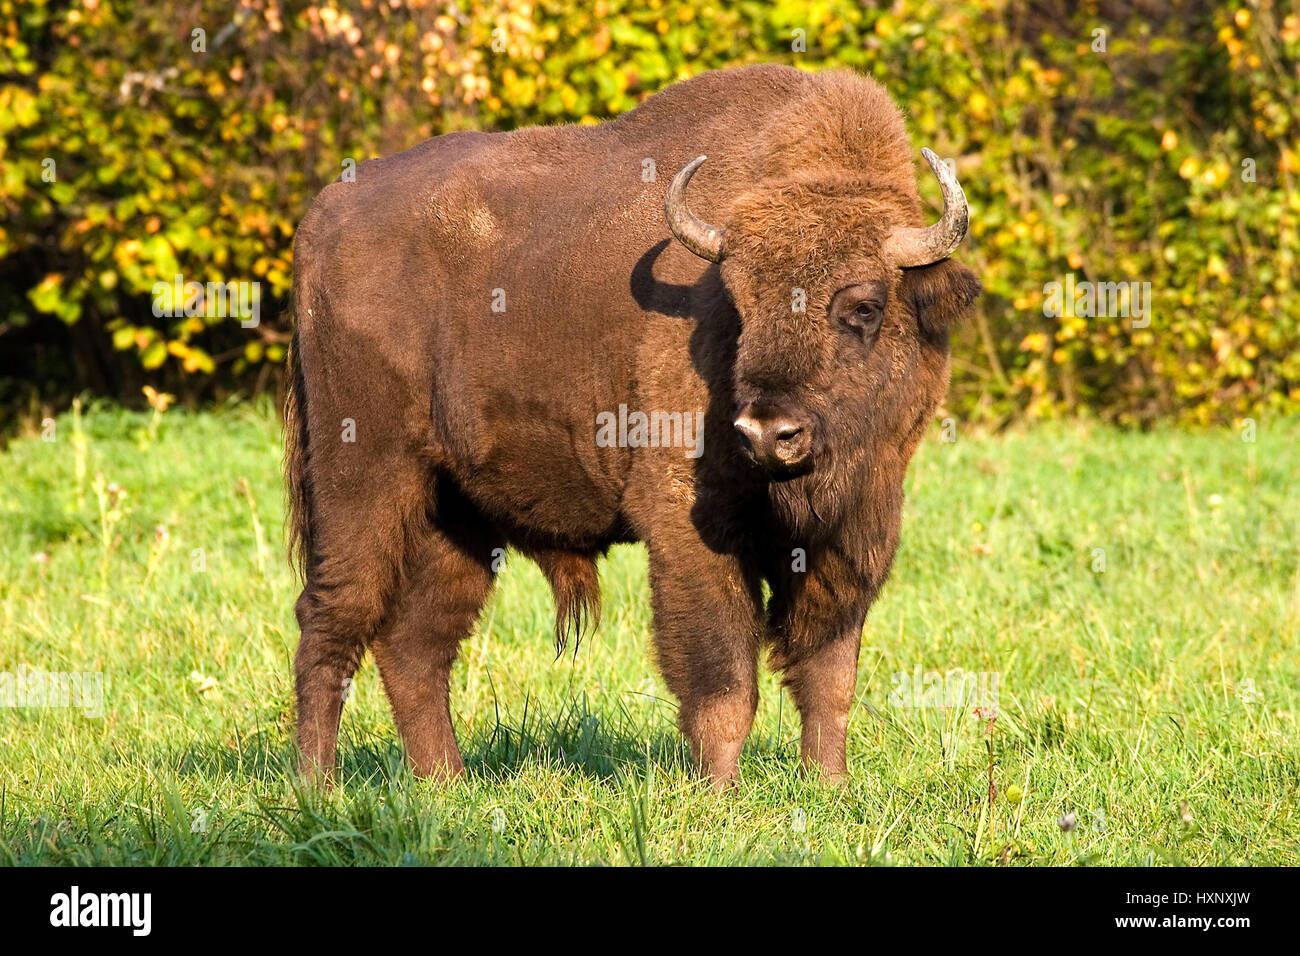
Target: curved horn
695	234
913	246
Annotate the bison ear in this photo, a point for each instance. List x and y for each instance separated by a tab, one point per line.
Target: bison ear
941	294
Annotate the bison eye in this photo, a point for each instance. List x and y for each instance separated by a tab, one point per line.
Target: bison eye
860	308
864	317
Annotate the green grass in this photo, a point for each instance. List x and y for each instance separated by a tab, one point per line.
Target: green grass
1158	698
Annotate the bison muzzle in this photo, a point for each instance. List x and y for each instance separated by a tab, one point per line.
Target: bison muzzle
469	310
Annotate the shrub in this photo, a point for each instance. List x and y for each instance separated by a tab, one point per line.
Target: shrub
1163	149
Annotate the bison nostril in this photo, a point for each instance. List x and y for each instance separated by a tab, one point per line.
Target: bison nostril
750	432
793	442
783	443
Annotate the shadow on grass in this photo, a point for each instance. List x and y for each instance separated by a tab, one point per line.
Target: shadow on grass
568	738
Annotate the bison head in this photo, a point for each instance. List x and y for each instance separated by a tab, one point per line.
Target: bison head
845	302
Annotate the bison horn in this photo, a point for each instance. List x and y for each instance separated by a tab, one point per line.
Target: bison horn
912	246
695	234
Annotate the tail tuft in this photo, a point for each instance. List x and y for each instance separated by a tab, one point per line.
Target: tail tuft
576	587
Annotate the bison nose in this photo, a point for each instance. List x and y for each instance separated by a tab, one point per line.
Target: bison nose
777	444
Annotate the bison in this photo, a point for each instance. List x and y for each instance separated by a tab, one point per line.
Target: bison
498	343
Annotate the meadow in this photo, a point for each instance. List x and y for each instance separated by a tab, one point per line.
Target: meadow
1134	597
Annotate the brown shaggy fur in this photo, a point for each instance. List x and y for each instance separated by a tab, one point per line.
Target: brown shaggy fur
426	430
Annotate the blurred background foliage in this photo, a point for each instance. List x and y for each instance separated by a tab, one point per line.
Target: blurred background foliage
142	139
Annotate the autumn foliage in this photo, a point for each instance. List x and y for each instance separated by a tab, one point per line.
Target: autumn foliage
1154	143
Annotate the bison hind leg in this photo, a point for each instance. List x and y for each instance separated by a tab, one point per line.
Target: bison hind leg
449	579
576	587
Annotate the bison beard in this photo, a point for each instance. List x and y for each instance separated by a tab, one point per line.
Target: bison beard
467	309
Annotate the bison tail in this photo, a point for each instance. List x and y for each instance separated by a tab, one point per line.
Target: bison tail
576	587
295	463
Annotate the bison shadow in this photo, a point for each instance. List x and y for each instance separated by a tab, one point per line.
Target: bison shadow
727	487
568	736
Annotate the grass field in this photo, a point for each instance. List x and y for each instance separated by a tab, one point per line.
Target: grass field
1155	701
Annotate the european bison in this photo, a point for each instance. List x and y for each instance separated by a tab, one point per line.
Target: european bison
499	343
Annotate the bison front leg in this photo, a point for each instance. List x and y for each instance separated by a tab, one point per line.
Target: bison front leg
706	633
817	617
822	686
